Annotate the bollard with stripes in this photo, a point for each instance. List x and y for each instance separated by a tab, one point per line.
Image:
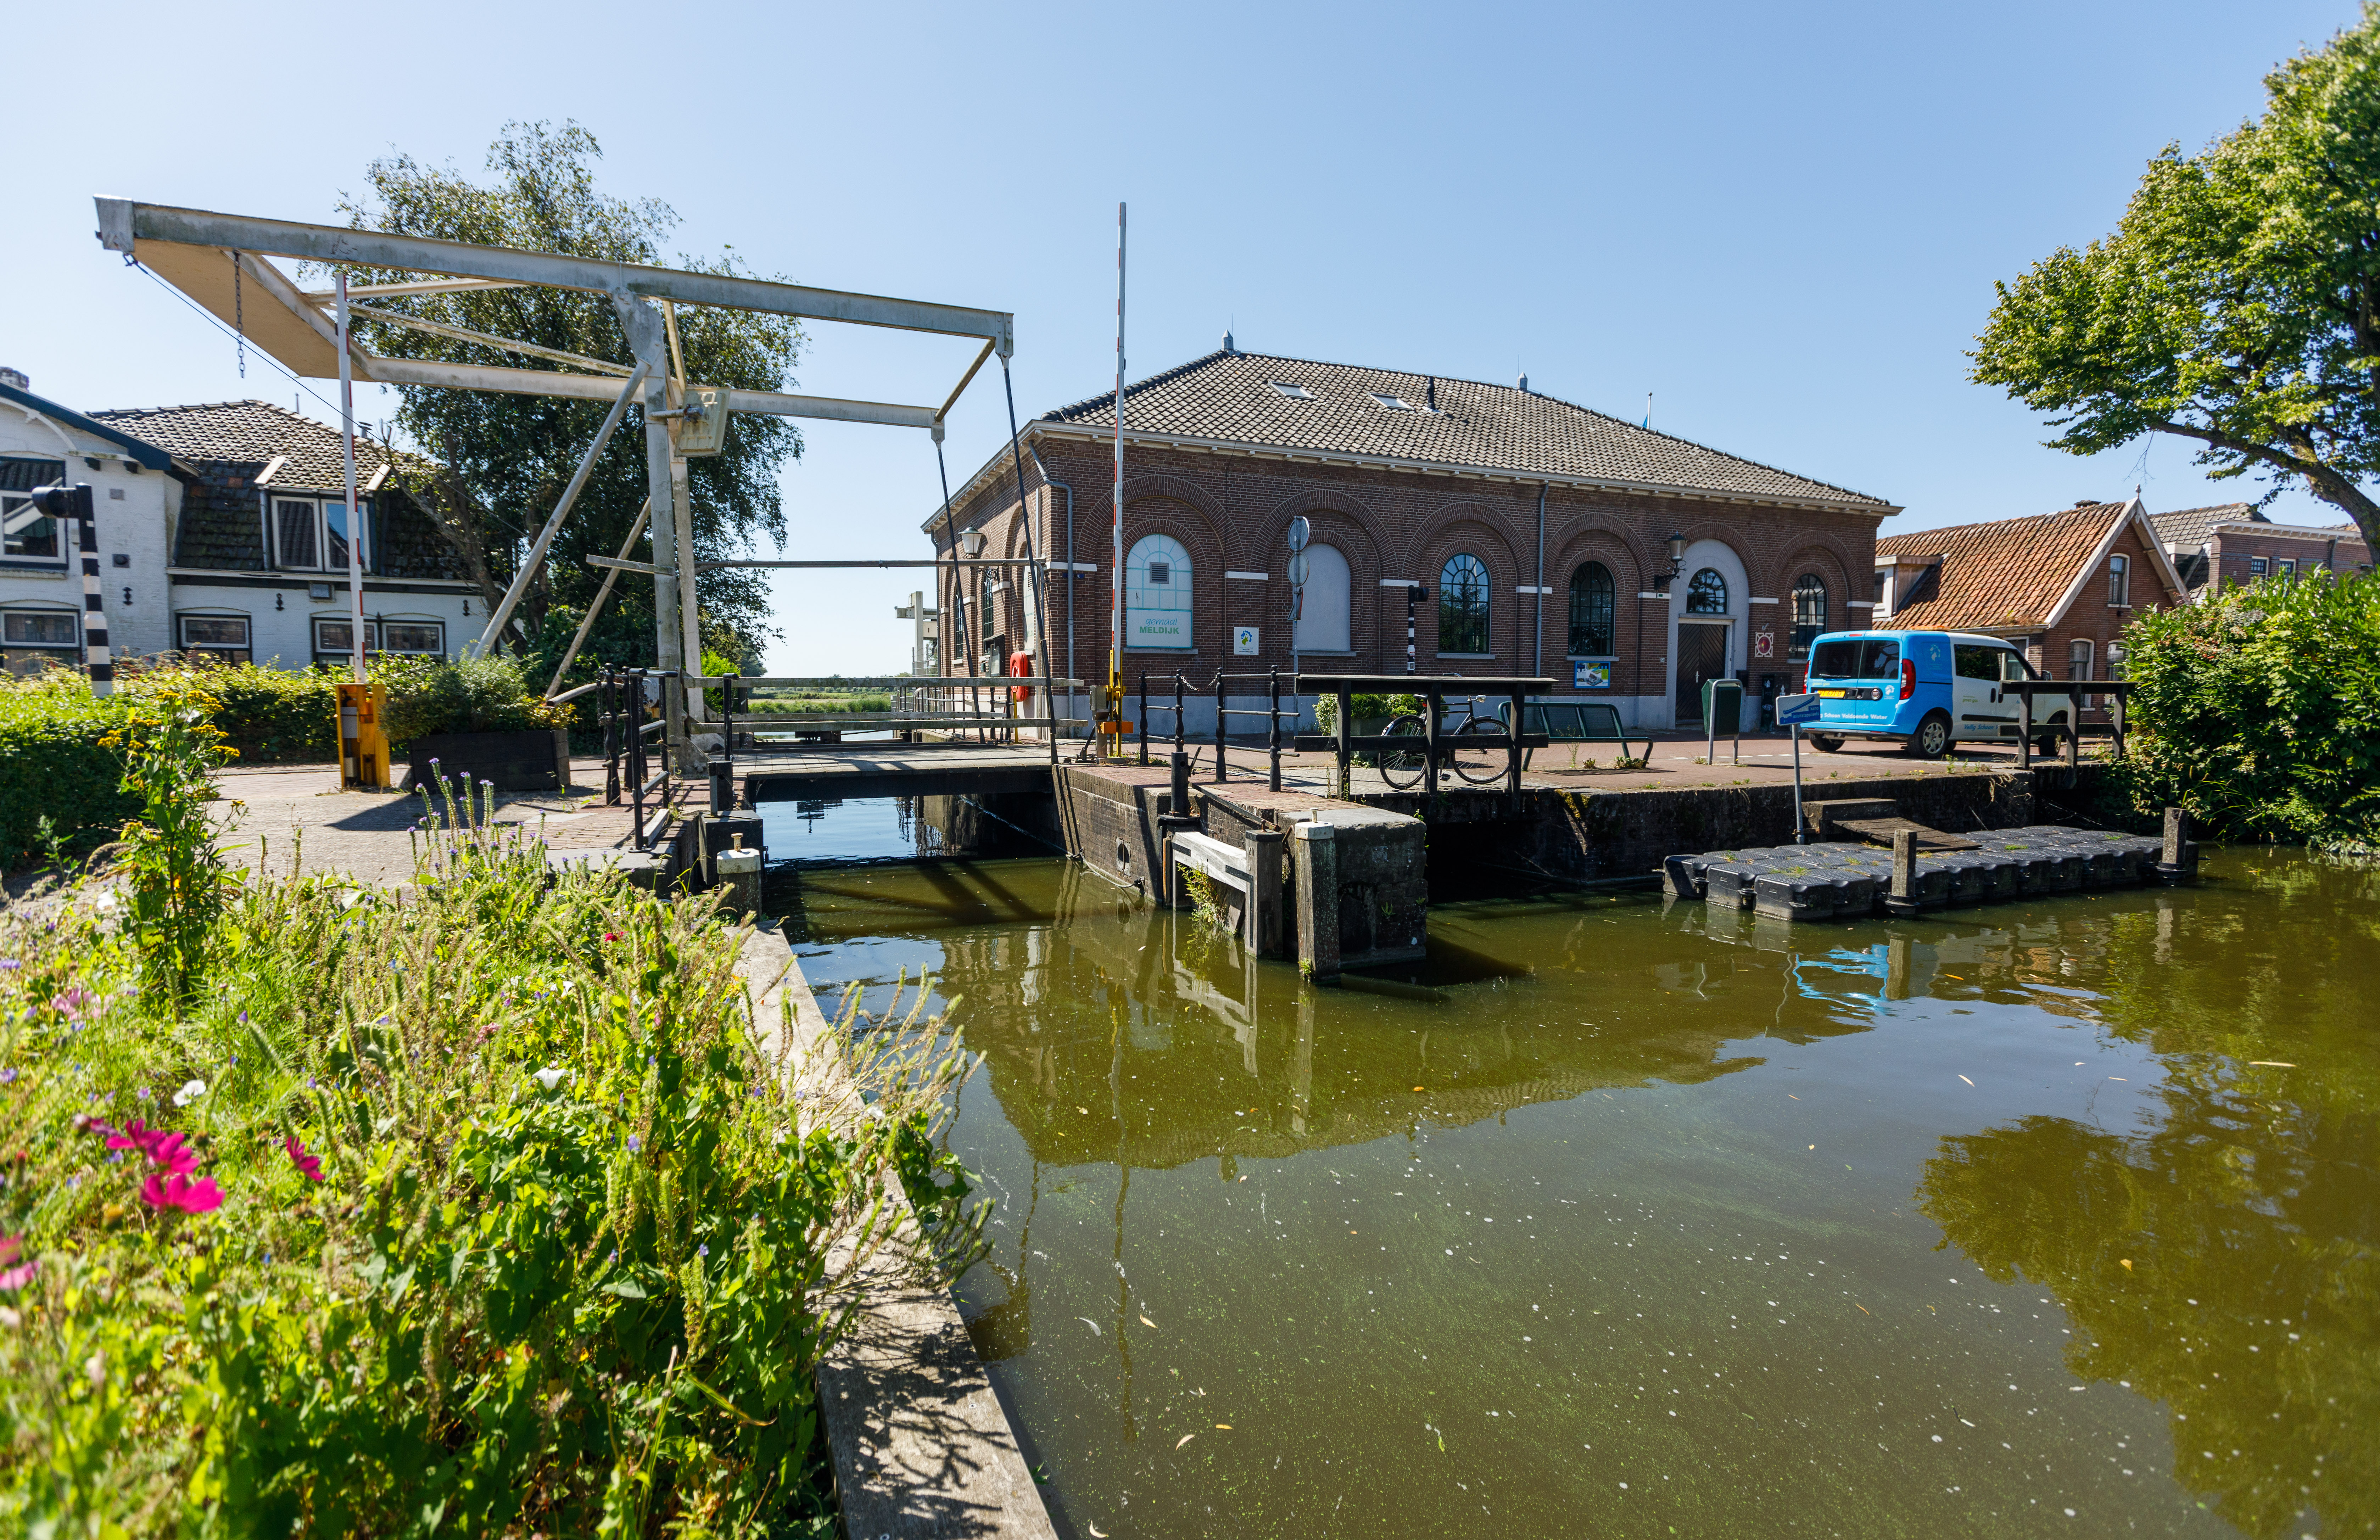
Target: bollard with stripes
96	660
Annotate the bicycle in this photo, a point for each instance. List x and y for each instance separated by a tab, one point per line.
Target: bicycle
1403	768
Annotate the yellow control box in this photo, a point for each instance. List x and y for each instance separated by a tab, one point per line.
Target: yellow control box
363	739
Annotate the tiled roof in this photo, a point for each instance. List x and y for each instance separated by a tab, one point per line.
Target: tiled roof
2006	575
252	432
1230	397
2185	529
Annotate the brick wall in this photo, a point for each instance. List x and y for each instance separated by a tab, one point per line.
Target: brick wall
2232	550
1232	512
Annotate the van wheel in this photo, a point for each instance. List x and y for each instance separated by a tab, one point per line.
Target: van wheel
2050	746
1825	743
1932	739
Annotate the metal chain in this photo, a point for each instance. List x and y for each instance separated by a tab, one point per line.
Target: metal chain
238	317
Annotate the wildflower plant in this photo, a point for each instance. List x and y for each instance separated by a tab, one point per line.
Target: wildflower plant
389	1273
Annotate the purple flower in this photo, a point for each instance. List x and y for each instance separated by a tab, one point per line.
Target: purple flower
702	1250
8	1075
633	1141
72	1002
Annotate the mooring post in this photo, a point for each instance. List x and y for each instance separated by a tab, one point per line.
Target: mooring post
738	875
2174	861
2023	729
1903	899
1144	717
1314	856
2115	716
1433	701
1263	848
1273	742
2074	745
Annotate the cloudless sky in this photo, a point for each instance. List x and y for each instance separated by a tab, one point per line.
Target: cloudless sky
1783	222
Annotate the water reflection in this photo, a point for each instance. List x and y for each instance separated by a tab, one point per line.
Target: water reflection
1608	1149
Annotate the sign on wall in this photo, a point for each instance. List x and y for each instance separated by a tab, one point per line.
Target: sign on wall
1764	644
1587	675
1244	641
1157	594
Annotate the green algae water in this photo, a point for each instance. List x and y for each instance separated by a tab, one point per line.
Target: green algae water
1620	1216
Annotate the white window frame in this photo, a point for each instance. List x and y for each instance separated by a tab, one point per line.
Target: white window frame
2082	649
182	640
274	502
383	625
314	635
2119	581
67	652
1293	390
11	501
2258	566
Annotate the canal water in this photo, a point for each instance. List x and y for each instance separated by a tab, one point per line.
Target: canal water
1624	1217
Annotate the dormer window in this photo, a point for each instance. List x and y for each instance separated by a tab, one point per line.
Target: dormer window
1295	393
309	534
1394	402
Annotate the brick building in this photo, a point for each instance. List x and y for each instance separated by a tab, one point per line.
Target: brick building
1545	539
2234	544
2063	584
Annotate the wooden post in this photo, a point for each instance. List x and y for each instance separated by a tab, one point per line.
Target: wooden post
2074	744
2116	715
2024	730
1263	847
1903	899
1315	856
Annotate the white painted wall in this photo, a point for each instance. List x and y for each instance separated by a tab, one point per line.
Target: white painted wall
134	513
281	617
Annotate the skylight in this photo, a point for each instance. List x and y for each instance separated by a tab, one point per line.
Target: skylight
1394	402
1295	393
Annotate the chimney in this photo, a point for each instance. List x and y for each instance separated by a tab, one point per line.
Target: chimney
1228	345
1432	392
1525	384
15	377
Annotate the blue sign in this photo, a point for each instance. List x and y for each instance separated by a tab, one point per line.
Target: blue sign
1587	675
1797	710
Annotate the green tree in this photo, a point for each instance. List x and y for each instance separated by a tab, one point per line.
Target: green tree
2238	302
507	458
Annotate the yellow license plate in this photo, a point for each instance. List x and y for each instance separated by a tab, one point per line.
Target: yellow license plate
1829	694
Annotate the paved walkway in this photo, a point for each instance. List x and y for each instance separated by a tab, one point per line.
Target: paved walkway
298	810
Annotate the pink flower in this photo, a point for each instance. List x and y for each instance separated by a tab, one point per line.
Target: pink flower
308	1166
13	1277
611	935
199	1197
71	1003
169	1150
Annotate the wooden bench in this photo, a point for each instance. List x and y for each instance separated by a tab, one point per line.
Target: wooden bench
1569	721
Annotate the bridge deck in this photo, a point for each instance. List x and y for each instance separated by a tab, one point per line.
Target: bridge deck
782	773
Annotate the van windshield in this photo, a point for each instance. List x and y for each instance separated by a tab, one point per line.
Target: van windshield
1856	658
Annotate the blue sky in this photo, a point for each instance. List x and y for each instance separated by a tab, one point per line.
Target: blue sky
1783	222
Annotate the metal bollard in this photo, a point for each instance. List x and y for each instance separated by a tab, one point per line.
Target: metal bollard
2178	858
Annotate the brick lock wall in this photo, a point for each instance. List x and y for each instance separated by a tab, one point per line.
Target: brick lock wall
1231	513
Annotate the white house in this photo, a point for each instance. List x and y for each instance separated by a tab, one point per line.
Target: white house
222	531
136	496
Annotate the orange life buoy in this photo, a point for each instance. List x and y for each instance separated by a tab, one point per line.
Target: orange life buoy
1020	666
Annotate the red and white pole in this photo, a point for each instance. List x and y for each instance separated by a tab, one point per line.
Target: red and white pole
1115	584
355	524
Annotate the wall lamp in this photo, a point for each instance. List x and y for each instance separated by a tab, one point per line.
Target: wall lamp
1661	580
971	541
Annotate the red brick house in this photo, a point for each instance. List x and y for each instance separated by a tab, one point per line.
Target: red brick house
1545	539
2234	544
2064	584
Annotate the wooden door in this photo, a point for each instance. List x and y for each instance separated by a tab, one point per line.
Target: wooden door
1702	654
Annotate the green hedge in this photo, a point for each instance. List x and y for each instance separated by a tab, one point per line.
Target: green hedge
53	765
2259	711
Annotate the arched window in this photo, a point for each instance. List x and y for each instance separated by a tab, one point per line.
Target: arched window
1462	605
1809	613
1156	595
1322	612
1591	605
1706	595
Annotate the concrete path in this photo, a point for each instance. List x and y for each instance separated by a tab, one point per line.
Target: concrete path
285	811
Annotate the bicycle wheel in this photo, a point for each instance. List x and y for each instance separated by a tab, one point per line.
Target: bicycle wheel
1401	768
1480	746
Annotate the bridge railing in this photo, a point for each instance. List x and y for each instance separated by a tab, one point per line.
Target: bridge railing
1272	713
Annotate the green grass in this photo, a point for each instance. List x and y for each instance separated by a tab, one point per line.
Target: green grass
566	1270
822	705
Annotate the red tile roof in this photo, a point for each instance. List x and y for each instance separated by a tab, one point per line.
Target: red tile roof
2005	576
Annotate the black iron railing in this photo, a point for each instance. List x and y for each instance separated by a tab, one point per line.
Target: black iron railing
1272	713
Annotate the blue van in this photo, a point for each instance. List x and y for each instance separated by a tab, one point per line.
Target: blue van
1924	690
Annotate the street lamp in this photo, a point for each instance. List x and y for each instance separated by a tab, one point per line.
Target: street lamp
971	540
